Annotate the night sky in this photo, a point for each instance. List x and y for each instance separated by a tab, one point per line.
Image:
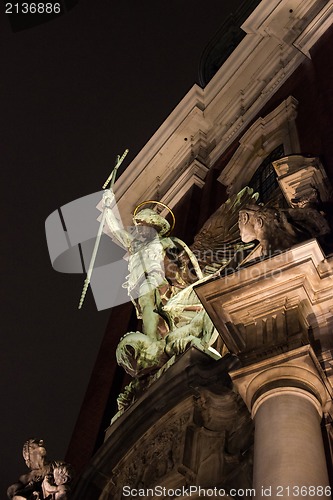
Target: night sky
74	93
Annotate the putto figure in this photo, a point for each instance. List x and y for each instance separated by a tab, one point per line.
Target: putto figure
56	486
29	484
46	480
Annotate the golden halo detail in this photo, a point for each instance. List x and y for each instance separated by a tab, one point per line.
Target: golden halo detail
148	202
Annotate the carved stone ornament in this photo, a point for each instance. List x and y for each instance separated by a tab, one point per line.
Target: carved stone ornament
199	442
279	229
46	480
155	458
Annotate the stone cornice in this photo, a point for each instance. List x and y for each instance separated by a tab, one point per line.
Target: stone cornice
259	65
274	305
315	29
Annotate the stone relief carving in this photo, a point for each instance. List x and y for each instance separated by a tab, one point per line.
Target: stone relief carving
46	480
153	458
206	440
56	485
225	439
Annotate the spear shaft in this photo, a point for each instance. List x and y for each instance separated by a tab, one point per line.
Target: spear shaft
93	257
112	178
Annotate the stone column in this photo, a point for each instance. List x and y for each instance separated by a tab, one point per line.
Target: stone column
286	395
288	448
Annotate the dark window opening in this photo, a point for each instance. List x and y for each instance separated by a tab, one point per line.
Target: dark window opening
264	180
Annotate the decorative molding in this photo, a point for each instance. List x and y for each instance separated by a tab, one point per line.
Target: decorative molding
272	305
177	181
296	370
283	19
298	175
315	29
278	127
194	174
169	152
260	64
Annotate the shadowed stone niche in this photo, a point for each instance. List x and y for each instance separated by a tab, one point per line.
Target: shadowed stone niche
188	429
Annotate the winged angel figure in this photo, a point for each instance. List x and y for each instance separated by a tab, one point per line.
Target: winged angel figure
175	319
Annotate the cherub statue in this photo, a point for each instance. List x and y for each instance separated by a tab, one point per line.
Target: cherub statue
56	486
34	454
46	480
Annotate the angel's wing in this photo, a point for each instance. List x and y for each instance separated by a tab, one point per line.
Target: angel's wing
219	238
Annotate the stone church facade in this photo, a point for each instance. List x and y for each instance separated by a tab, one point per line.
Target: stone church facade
250	415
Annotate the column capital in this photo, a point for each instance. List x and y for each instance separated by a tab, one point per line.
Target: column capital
296	371
290	391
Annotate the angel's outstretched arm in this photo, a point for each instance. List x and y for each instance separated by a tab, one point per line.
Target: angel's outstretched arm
113	220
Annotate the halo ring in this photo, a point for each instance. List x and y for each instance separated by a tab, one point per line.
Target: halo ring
146	202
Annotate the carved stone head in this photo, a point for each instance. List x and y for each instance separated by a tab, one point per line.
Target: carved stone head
255	222
34	453
267	225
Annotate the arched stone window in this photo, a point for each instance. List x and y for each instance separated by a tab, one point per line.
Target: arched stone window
264	180
268	139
